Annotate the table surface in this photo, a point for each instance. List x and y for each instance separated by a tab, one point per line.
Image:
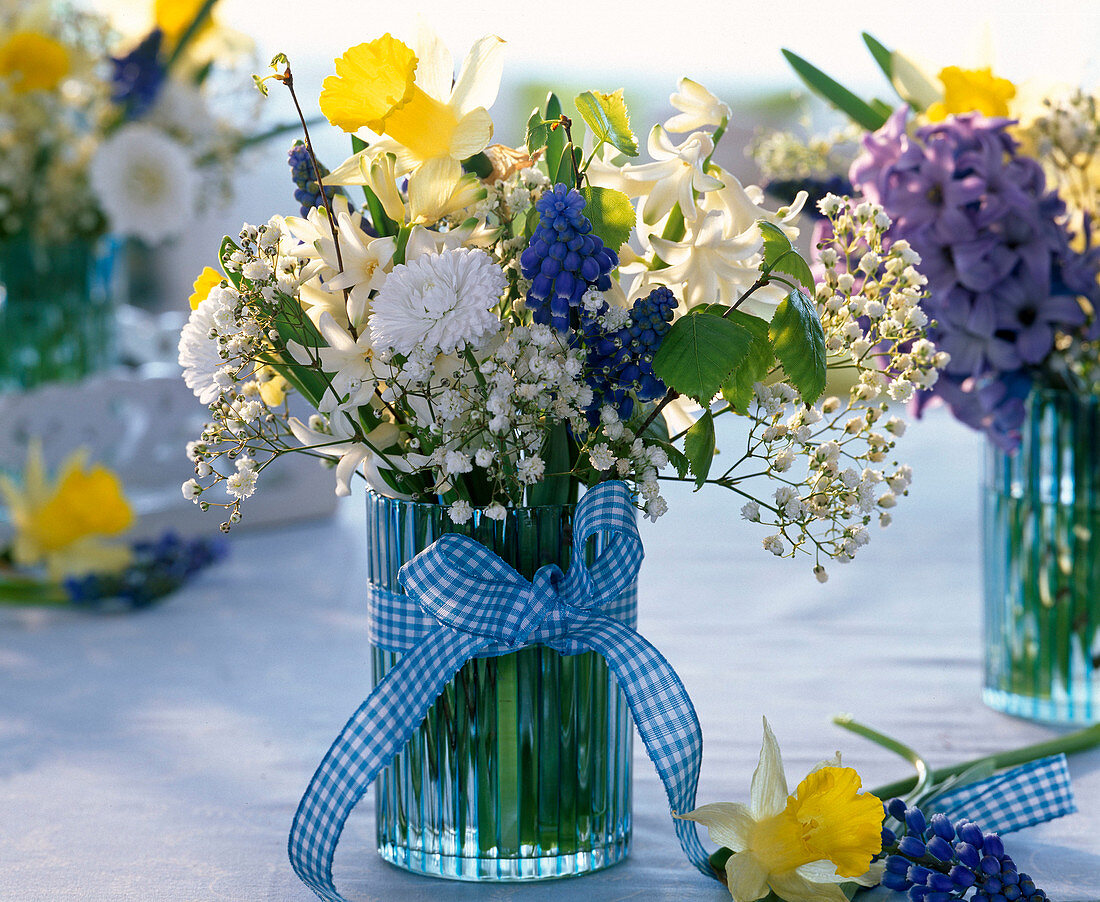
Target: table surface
159	756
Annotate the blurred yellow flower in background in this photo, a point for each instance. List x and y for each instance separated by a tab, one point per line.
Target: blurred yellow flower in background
972	90
32	61
63	524
173	17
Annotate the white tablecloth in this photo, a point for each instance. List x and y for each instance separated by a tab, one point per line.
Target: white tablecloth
159	756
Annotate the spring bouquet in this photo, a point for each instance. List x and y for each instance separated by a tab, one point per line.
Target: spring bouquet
514	347
998	197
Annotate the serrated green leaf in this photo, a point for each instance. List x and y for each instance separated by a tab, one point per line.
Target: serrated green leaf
699	447
607	116
881	56
753	368
780	255
830	90
699	353
799	343
611	215
538	132
677	458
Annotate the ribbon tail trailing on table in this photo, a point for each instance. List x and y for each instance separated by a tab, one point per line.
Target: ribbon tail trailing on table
1030	794
482	606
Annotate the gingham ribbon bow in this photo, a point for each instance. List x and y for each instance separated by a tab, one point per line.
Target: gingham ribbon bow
483	605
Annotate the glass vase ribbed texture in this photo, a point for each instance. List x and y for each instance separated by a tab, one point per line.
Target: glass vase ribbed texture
522	768
56	311
1042	564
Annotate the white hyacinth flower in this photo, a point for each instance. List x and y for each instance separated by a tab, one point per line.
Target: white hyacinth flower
697	107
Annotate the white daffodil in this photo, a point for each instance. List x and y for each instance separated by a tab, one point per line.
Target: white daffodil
800	846
365	262
472	233
347	359
698	108
354	455
674	176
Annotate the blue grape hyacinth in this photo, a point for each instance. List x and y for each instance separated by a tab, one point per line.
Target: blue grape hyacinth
935	860
159	568
307	190
564	258
620	362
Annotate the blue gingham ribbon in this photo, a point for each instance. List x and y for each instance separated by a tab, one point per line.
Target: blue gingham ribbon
1031	794
481	604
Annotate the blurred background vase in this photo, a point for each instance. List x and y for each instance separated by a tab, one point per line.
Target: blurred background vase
522	768
57	318
1042	563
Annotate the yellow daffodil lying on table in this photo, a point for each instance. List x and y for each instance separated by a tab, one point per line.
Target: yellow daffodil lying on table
67	524
67	547
799	845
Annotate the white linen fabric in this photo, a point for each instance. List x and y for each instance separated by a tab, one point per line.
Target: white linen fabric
159	756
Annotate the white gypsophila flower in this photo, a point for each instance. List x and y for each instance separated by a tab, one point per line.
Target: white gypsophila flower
750	511
191	489
496	511
198	352
460	512
601	457
439	301
145	182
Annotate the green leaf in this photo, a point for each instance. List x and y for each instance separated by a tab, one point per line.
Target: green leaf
555	488
606	115
754	367
882	107
479	164
611	215
555	139
538	132
699	447
859	111
799	342
699	353
780	255
881	55
228	246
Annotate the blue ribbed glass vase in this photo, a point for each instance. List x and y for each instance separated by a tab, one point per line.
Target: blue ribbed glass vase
1042	564
522	769
56	310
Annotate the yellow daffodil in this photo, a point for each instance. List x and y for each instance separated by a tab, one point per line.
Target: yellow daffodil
406	94
800	846
208	279
32	61
430	123
972	90
63	524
